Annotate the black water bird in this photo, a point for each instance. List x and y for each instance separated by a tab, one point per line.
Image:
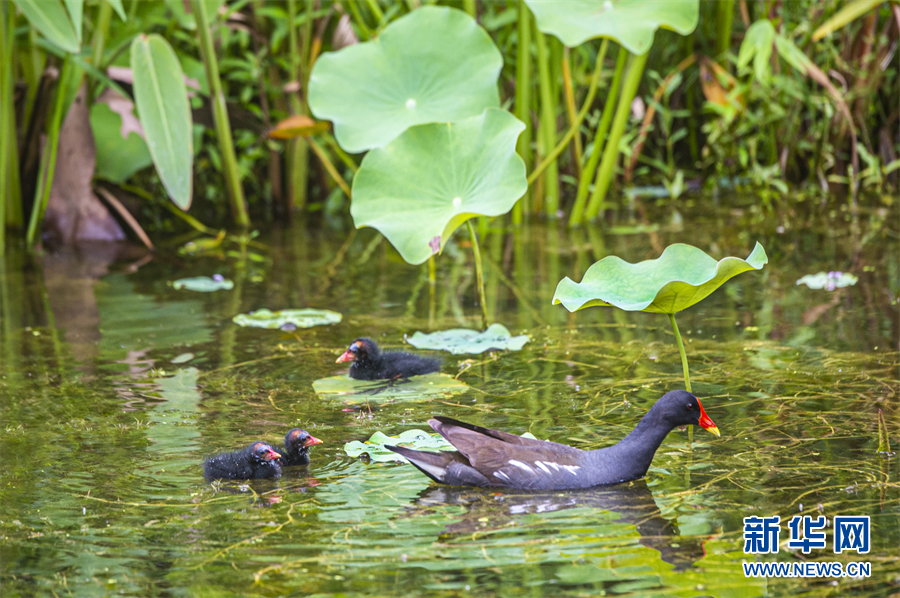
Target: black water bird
297	443
370	363
256	461
485	457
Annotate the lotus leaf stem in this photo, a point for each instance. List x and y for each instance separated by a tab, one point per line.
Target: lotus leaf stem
684	367
547	129
523	102
329	166
479	274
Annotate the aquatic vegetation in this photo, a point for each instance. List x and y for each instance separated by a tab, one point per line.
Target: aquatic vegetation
416	388
681	277
828	280
288	319
462	340
204	284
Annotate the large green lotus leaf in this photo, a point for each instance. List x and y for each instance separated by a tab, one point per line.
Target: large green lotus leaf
419	188
463	340
631	23
412	439
682	276
433	65
299	318
417	388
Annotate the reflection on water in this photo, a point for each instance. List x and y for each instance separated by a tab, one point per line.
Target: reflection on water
103	435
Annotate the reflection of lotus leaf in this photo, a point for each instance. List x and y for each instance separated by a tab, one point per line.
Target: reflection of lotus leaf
203	284
416	388
301	318
413	439
432	178
631	23
463	340
682	276
434	65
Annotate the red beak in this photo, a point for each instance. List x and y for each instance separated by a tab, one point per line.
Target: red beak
347	356
705	422
272	455
311	441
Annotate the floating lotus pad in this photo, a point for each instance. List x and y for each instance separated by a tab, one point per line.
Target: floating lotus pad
462	340
433	65
204	284
300	318
828	280
682	276
417	388
413	439
631	23
432	178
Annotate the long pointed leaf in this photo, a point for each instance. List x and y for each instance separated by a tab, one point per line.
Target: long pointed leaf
162	103
50	18
117	6
76	13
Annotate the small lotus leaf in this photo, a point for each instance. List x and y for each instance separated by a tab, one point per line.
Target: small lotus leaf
297	318
433	65
462	340
413	439
417	388
829	280
432	178
682	276
631	23
204	284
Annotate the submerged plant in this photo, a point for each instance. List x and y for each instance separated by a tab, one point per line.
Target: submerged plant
682	276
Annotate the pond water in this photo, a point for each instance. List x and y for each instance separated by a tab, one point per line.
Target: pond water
115	386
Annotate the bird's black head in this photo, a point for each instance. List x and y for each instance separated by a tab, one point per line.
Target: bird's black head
362	349
681	408
262	452
298	441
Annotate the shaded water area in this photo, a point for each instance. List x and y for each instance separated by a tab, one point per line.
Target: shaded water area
106	420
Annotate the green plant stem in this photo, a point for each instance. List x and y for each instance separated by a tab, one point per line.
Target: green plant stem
345	158
469	7
570	107
724	20
523	102
606	172
576	217
9	162
298	157
577	120
220	116
479	274
376	10
48	163
684	367
100	32
364	32
547	130
329	166
684	363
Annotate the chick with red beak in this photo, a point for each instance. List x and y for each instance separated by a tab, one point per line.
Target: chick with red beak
297	443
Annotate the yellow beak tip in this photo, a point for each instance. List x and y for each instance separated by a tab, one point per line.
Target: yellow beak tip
714	430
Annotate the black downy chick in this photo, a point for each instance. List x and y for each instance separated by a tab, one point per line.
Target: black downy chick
297	443
256	461
369	363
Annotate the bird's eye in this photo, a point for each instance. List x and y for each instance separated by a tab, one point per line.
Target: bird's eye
689	406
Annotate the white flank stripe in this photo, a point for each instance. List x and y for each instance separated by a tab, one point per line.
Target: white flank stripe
571	469
553	465
542	466
500	474
520	465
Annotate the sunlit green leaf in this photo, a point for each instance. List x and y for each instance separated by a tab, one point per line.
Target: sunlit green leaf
682	276
632	23
117	6
50	18
757	46
203	284
298	318
432	178
848	13
462	340
117	157
76	13
162	105
433	65
417	388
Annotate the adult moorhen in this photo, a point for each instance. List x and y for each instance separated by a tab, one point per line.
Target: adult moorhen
369	363
256	461
486	457
297	443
